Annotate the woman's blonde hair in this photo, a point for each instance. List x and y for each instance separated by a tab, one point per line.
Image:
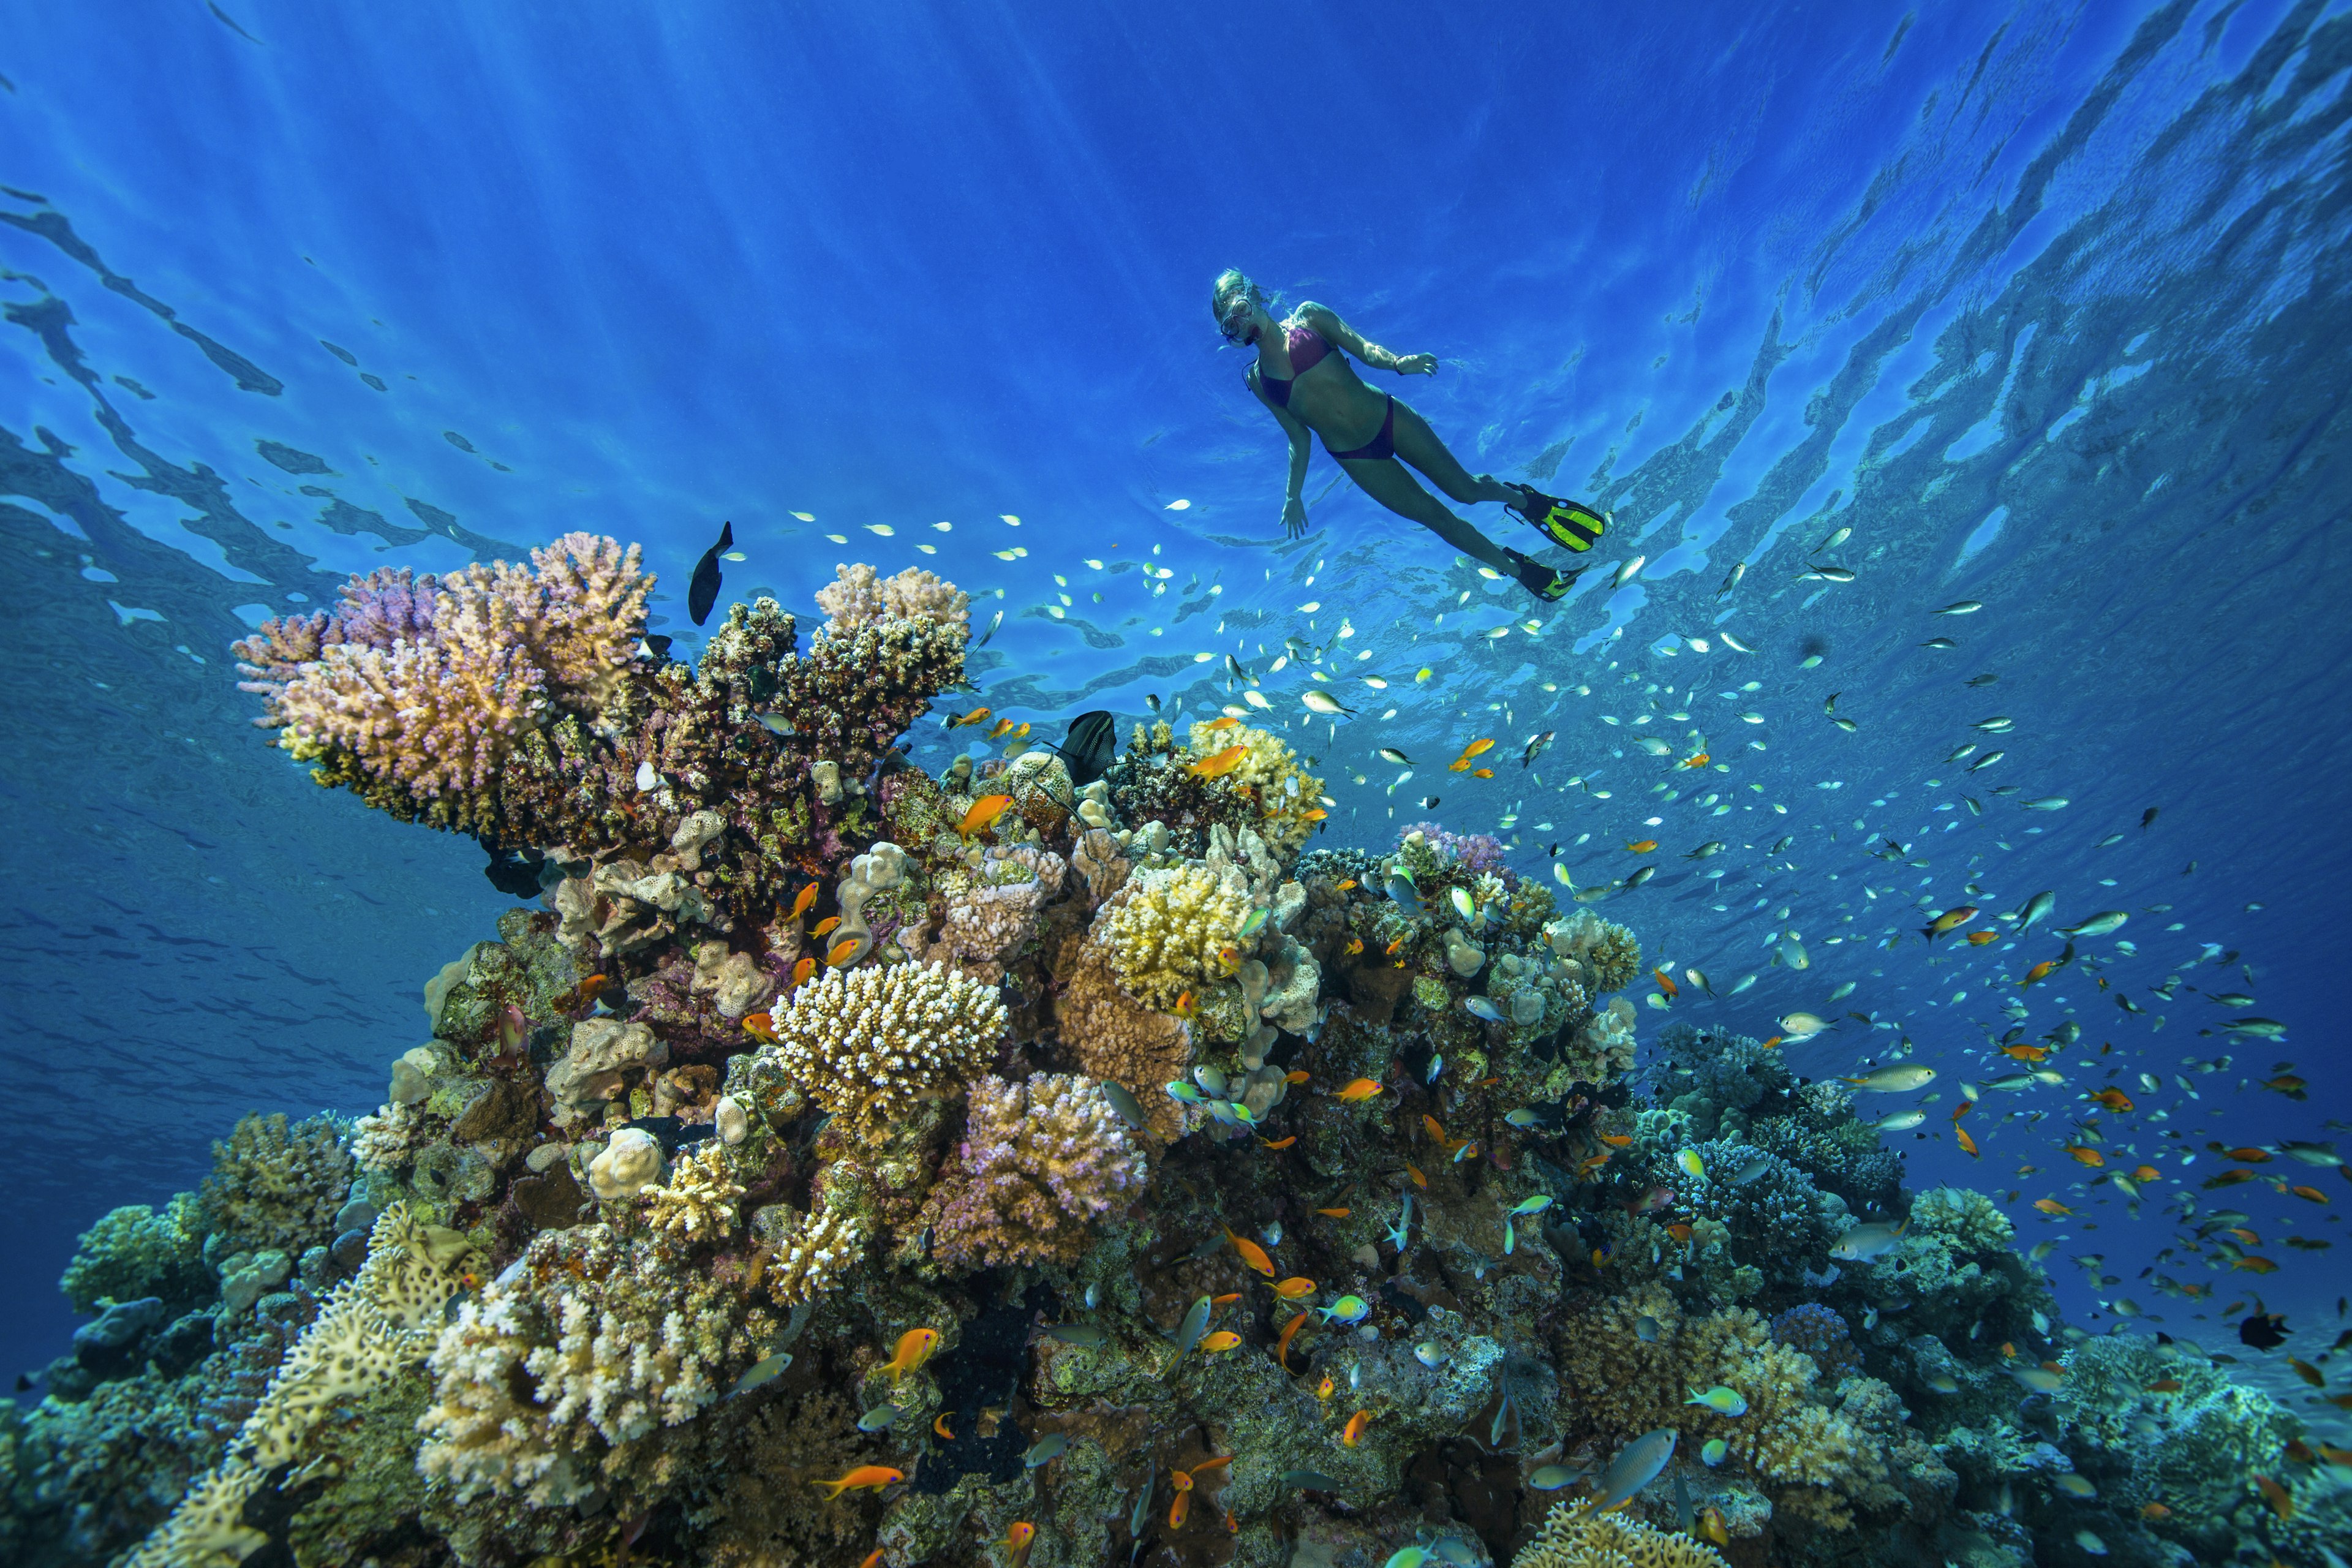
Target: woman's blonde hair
1232	284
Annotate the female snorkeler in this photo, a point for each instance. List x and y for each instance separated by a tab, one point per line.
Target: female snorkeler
1306	386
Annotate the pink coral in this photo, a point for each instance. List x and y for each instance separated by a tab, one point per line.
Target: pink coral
1039	1162
431	696
1471	851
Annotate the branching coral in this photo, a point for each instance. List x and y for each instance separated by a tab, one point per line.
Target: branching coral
699	1201
275	1187
560	1374
1576	1537
1818	1463
432	705
869	1045
1039	1163
134	1252
1604	956
858	597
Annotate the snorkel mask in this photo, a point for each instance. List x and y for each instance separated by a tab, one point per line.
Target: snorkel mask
1236	322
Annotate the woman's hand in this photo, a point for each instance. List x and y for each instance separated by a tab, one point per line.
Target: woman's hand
1416	364
1294	518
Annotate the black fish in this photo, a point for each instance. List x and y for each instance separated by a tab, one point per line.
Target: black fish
703	592
1429	802
2148	818
1087	749
2263	1331
514	872
657	646
672	1133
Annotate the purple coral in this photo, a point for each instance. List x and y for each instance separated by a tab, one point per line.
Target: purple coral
1822	1333
1475	852
427	684
1039	1162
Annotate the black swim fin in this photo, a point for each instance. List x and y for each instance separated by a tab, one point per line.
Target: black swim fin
1540	579
1571	524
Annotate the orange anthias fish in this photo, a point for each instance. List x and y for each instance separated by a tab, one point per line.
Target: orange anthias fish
803	970
1228	722
1979	938
864	1478
1185	1006
2051	1205
1219	765
2083	1156
759	1027
915	1348
2253	1264
1418	1179
2114	1099
1355	945
2145	1173
2276	1495
1641	845
802	904
1666	982
1363	1088
843	952
1483	774
1220	1302
1279	1143
1699	760
984	810
595	985
1018	1539
2039	972
1002	726
2154	1510
1325	1389
1222	1341
2309	1194
2027	1054
1354	1431
1295	1287
1334	1213
1949	920
2309	1373
1252	1253
1182	1508
2287	1084
1477	749
2250	1156
1435	1129
975	717
1296	1075
1967	1144
826	926
874	1559
1282	1343
939	1424
1617	1140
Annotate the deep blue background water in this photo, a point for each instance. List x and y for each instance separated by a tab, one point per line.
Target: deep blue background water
2046	303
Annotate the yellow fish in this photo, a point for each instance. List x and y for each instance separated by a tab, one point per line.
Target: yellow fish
1363	1088
843	952
915	1348
1223	1340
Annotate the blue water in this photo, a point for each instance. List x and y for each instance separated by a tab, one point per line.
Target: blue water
2046	303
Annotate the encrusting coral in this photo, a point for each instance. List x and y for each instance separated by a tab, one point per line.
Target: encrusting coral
1101	1162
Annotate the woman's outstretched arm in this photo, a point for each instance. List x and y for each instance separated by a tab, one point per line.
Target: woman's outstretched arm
1294	503
1332	330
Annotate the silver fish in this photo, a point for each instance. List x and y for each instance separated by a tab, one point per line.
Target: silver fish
1900	1121
2037	908
2099	925
1712	847
1188	1332
1900	1078
1627	573
1635	1466
1962	607
1864	1242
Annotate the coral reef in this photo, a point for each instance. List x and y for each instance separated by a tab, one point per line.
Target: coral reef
1102	1163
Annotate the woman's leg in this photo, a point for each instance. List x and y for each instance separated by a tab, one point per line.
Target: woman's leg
1385	480
1417	443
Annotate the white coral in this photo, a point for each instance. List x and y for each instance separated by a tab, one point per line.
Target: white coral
858	597
385	1141
699	1199
870	1045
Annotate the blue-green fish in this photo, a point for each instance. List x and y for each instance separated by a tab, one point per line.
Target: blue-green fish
1479	1007
1635	1466
1552	1477
1713	1453
1535	1205
1346	1309
1045	1450
1188	1332
1722	1399
1122	1101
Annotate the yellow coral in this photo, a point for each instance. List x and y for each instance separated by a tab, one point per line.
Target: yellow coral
1166	932
699	1200
1289	798
1814	1461
870	1045
1576	1537
814	1255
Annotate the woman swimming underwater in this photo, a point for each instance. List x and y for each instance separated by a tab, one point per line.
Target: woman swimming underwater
1307	387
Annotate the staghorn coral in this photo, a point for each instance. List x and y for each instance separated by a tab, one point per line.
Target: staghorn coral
1040	1164
869	1045
560	1375
1167	932
1573	1536
274	1186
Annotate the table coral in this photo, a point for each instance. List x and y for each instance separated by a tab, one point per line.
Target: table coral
870	1043
1040	1164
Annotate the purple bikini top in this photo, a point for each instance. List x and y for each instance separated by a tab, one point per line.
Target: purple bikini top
1306	351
